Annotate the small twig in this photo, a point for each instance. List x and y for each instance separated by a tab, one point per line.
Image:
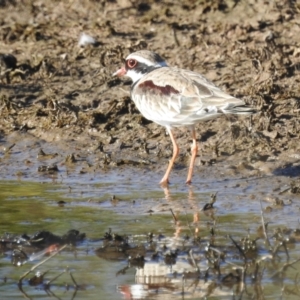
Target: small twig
284	191
182	286
286	249
210	205
193	260
49	282
39	264
213	198
118	10
263	224
112	107
220	253
241	277
9	148
296	281
188	223
74	295
175	37
284	267
238	247
174	217
74	281
122	271
23	292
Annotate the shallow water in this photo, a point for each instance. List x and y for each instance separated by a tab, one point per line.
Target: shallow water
140	206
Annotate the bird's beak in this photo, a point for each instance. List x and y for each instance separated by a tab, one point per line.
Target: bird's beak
121	72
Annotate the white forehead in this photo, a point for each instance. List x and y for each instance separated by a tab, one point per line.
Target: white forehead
146	61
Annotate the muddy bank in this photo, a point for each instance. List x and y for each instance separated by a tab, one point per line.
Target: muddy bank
61	98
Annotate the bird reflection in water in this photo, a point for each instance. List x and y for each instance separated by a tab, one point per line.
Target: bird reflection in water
185	207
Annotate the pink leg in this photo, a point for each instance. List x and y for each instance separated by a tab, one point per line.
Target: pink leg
165	179
194	149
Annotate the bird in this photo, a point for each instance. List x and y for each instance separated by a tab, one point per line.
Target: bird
175	97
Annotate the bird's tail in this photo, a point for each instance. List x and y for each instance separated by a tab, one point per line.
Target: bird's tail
239	109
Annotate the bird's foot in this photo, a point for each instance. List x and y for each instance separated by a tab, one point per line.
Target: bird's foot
164	182
188	182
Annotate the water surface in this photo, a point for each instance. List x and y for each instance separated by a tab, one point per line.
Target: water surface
139	207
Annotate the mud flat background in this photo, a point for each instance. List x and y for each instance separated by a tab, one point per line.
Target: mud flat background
61	97
71	139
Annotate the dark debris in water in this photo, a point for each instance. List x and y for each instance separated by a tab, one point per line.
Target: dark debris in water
42	244
50	169
208	259
295	187
24	245
232	263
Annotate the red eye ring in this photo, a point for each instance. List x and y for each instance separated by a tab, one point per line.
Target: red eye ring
131	63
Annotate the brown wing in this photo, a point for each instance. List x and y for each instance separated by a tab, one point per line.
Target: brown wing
180	97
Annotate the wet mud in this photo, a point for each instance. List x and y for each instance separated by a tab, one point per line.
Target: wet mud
62	95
